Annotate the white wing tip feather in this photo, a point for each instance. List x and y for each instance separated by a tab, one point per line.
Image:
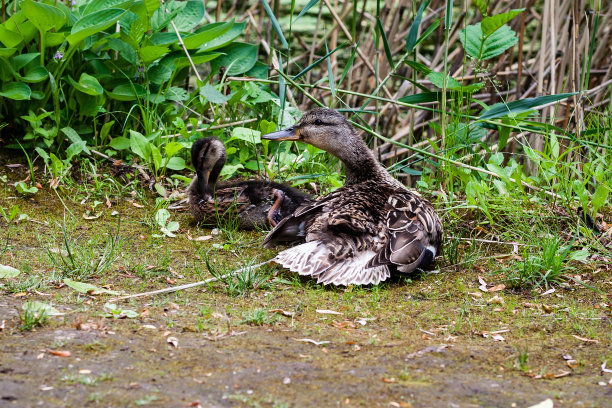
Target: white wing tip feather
306	259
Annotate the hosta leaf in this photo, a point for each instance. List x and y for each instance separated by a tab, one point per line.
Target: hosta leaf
93	24
150	53
231	34
238	58
127	92
87	84
191	16
206	35
16	90
491	24
44	16
9	38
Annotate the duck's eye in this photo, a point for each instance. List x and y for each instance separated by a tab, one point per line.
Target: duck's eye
318	122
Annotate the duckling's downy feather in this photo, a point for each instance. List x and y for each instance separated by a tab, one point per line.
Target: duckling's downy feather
364	231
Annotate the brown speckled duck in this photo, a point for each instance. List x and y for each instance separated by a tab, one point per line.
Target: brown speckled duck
254	203
366	230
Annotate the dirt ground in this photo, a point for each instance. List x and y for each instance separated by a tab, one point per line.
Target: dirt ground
428	340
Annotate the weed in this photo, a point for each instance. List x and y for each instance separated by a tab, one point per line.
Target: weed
259	317
35	314
240	282
522	355
81	262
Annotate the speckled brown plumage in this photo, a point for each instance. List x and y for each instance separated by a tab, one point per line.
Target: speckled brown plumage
364	231
251	203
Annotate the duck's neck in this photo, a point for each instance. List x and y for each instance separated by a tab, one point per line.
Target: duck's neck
361	165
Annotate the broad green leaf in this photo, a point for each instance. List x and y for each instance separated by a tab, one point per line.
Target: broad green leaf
600	196
87	288
305	9
87	84
172	148
411	38
7	52
246	134
190	16
501	109
151	6
205	35
163	38
36	74
9	38
140	145
22	60
492	23
176	163
156	156
44	16
161	19
478	46
580	255
554	146
182	62
238	58
127	92
161	217
125	50
93	6
275	24
93	24
176	94
151	53
16	90
120	143
224	39
213	95
8	271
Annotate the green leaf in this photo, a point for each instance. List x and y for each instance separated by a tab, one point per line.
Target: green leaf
41	308
176	94
16	90
224	39
190	16
87	84
44	16
156	156
22	188
125	50
478	46
176	163
8	272
383	35
275	24
7	52
424	97
554	146
140	145
481	5
491	24
207	34
9	38
238	58
93	6
599	197
35	75
411	38
120	143
88	288
22	60
74	137
173	148
151	53
128	92
515	107
93	24
306	8
183	62
317	62
151	6
246	134
213	95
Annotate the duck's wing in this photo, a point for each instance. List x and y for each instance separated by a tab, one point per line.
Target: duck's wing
414	233
293	227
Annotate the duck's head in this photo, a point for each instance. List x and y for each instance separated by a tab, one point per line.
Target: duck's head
330	131
208	158
322	128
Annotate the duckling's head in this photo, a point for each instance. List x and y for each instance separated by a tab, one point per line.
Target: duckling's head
330	131
208	158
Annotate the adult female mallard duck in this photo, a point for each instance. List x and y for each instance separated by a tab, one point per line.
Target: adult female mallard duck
364	231
254	203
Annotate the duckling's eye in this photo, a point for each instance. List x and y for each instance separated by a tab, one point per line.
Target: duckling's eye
318	122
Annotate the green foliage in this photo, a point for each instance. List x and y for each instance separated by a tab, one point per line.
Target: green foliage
35	314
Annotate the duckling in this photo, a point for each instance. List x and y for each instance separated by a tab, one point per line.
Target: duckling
366	230
255	203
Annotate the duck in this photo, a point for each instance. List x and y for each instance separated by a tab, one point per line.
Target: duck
360	234
253	204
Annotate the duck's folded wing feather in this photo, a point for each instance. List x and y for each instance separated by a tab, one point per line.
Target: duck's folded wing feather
413	234
293	227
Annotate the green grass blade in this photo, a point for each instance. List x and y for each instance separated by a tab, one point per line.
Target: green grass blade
385	42
275	24
411	38
310	4
349	63
317	62
330	73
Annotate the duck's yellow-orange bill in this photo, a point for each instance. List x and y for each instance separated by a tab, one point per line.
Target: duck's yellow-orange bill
291	133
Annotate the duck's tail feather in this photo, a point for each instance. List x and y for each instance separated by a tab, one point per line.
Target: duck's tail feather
312	259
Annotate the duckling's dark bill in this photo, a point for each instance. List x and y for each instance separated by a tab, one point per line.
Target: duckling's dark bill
286	134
